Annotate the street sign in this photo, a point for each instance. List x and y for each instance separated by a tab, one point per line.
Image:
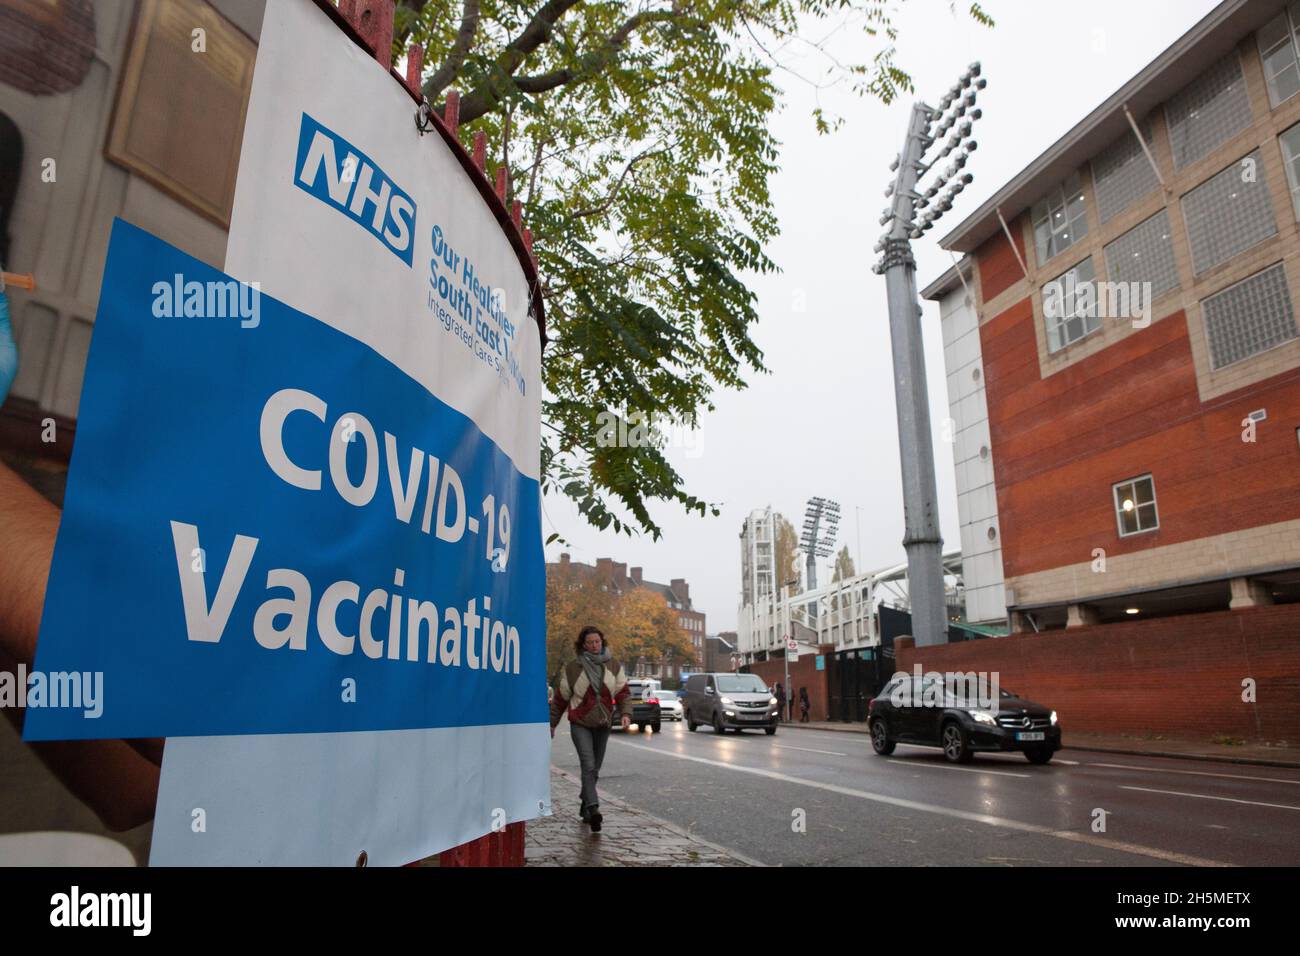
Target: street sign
821	662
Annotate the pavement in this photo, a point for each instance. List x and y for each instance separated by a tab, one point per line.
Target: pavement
629	836
1151	745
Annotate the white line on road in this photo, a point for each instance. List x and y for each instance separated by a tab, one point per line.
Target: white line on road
931	747
991	753
944	766
1195	773
1206	796
1084	838
833	753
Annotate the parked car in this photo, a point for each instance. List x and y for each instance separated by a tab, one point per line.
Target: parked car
670	705
729	701
923	711
645	705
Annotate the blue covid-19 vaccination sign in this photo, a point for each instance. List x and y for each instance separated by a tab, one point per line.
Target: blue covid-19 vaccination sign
270	528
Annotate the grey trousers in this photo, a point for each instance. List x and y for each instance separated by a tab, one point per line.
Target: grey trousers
590	744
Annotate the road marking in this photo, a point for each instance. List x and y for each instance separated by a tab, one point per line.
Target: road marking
1084	838
940	766
994	753
1206	796
931	747
833	753
1196	773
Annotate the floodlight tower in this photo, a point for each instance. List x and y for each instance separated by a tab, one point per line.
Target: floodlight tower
821	524
927	126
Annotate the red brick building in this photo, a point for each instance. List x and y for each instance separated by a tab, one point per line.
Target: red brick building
678	595
1143	447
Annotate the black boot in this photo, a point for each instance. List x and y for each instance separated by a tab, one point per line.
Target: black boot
595	819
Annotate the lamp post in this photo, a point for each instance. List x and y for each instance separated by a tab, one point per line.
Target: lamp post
926	127
786	655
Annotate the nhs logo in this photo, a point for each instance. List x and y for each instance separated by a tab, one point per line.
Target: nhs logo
337	173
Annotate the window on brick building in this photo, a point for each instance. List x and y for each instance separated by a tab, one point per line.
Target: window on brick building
1060	219
1228	213
1067	313
1249	317
1122	174
1144	254
1207	112
1290	141
1278	48
1135	505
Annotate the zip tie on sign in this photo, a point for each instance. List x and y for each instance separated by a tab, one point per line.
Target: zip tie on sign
27	281
424	117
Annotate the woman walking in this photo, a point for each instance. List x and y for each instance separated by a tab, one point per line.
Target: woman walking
591	688
804	705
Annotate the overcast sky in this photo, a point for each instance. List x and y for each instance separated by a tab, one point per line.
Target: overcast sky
822	421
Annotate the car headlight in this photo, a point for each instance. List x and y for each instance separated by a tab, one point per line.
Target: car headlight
1053	718
982	717
772	702
728	701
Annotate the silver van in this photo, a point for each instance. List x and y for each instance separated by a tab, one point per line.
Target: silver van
734	701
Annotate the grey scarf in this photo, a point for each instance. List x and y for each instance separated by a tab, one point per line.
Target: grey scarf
594	665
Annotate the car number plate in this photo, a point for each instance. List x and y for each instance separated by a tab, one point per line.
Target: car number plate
1031	735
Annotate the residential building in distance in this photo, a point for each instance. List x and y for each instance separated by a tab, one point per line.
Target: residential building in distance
677	593
1122	348
720	652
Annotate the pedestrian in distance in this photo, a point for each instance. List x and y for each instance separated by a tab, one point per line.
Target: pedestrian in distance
780	701
591	687
804	705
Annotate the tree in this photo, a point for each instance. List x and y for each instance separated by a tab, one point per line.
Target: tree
637	135
576	596
787	555
843	565
843	571
645	626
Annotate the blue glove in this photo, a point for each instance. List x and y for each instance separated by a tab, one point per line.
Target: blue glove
8	350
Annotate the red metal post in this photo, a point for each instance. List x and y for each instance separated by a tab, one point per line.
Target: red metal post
414	67
451	116
480	150
499	848
374	21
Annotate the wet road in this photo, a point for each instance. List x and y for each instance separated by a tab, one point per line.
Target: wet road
810	797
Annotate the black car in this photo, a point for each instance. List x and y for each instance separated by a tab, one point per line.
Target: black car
927	711
645	706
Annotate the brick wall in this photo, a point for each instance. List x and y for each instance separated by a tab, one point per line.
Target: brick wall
1176	676
998	265
803	673
1128	410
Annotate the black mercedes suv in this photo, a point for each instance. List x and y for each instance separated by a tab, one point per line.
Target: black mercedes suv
928	710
